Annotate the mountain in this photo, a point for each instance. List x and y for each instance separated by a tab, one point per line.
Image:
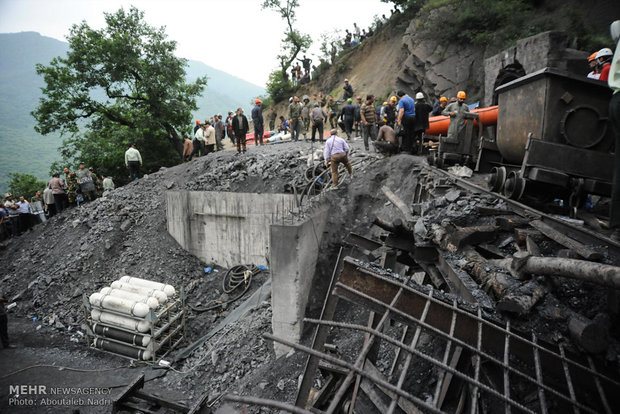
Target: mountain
25	151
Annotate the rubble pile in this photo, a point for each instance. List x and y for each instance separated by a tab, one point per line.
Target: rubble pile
49	269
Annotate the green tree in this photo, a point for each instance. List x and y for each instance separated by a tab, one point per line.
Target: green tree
278	87
294	41
24	184
118	84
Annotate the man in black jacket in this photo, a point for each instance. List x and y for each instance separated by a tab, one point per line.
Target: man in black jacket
257	119
422	110
240	128
348	117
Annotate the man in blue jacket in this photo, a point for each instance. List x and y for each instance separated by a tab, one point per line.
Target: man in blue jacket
406	120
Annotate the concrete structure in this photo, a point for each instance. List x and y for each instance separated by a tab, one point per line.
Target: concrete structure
294	253
225	228
548	49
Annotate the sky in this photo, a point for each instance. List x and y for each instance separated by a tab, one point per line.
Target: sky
210	31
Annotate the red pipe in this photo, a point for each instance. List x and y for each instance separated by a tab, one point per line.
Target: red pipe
438	125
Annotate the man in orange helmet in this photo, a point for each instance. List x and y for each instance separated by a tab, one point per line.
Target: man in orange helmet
257	119
596	72
456	111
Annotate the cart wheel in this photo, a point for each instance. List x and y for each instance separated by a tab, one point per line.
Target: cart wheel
439	162
497	179
514	187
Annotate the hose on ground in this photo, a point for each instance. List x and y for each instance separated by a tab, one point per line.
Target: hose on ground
235	277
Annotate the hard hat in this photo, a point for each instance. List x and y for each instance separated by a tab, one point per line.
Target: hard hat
461	95
393	99
385	103
290	99
419	95
7	195
592	57
198	122
349	100
257	101
443	99
604	52
346	80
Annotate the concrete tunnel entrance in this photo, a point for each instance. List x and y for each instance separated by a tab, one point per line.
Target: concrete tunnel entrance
241	228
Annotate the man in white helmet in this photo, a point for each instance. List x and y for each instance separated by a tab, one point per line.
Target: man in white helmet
603	57
422	110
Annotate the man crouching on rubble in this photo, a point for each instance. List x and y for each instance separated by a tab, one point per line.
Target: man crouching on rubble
336	151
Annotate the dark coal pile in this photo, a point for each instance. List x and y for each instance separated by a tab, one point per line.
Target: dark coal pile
48	269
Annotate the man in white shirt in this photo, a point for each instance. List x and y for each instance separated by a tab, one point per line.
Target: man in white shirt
133	162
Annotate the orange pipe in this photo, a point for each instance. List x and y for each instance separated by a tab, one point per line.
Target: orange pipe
438	125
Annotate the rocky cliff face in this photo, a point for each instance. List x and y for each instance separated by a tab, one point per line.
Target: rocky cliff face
436	68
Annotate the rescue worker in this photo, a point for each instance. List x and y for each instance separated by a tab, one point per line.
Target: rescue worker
71	185
348	117
368	114
456	111
386	142
318	118
294	115
272	116
358	119
220	132
422	110
406	120
388	112
439	106
336	151
305	116
603	57
595	72
332	111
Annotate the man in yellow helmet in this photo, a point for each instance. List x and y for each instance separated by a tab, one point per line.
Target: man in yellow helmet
439	106
456	111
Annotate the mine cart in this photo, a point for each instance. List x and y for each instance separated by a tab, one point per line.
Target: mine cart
459	150
553	138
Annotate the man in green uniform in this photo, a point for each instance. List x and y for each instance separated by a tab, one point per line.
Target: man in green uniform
72	185
332	111
294	117
305	116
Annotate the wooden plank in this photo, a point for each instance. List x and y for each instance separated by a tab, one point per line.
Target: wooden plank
566	241
398	202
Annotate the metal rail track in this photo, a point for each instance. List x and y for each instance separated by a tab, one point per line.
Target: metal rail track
581	234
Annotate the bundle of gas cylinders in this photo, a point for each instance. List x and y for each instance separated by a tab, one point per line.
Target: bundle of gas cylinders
120	318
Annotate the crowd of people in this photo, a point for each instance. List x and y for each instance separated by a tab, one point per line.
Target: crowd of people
396	125
20	212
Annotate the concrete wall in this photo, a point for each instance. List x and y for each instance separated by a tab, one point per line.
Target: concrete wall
225	228
294	253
